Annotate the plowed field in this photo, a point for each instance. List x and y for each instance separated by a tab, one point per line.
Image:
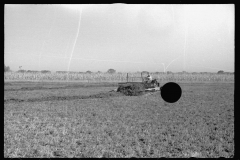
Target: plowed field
90	120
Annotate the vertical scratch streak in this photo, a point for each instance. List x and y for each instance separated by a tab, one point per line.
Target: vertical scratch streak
173	15
67	49
79	23
185	44
185	41
47	37
229	27
163	67
172	61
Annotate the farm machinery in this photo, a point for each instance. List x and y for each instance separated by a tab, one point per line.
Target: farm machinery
136	88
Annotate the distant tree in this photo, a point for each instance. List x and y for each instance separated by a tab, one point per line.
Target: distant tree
145	72
6	68
111	71
45	71
220	72
169	72
21	71
31	71
99	72
61	72
72	72
89	72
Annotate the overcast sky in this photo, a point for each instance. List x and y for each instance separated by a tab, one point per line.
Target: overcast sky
127	38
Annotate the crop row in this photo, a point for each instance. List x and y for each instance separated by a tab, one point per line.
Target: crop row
117	77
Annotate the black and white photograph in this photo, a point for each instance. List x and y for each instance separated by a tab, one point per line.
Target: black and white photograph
119	80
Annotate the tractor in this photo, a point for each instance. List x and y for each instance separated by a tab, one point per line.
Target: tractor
146	85
152	85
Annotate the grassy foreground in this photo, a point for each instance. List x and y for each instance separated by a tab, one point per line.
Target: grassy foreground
200	124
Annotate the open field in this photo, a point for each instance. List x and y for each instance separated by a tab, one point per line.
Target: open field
50	119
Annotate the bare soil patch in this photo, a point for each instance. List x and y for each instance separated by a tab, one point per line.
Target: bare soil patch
132	89
57	98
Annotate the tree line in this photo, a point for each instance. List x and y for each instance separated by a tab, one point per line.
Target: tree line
111	71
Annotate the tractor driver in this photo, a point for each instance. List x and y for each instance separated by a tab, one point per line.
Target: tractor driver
149	78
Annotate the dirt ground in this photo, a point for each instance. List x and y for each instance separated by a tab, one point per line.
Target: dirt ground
90	120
